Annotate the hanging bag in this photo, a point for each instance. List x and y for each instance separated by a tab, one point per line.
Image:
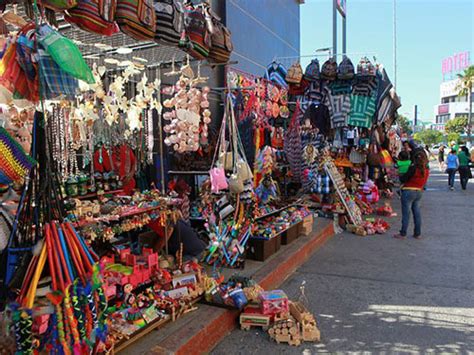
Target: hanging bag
169	21
217	172
95	16
137	19
221	45
58	5
196	39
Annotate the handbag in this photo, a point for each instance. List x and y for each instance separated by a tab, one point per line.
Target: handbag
218	179
196	39
95	16
373	157
169	21
221	45
137	19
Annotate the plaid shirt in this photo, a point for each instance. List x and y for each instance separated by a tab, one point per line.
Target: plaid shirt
54	81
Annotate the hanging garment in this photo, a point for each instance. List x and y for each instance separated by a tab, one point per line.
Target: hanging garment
362	110
276	72
318	115
247	135
365	86
339	106
292	145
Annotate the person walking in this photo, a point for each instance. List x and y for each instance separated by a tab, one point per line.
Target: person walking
413	182
452	165
464	169
441	158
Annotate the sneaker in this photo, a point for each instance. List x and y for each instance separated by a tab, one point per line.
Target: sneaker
451	188
417	237
399	236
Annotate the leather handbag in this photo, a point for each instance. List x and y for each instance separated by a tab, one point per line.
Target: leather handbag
137	19
95	16
220	38
295	74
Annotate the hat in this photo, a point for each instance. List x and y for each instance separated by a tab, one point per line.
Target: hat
345	70
329	69
312	70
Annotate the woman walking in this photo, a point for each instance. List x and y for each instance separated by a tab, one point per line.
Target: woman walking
441	158
464	169
452	165
412	191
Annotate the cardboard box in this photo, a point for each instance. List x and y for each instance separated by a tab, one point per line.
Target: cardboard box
307	226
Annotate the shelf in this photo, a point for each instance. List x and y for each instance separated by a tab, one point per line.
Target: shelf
96	194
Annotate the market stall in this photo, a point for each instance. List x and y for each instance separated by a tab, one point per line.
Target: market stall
127	188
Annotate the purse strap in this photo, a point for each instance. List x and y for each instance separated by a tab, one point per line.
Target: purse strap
220	144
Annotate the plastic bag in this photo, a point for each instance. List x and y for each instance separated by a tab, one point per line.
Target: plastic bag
65	53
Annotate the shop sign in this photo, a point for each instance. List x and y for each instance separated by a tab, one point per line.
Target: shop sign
443	109
341	7
455	63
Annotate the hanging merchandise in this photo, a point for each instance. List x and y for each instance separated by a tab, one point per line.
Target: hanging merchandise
292	145
65	53
312	71
137	19
196	40
96	16
169	21
59	5
220	37
15	164
277	73
345	69
229	212
329	69
189	118
295	74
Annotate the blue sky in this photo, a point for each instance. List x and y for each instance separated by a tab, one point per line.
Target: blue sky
427	31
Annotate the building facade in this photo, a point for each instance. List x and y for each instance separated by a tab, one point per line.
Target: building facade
263	30
451	105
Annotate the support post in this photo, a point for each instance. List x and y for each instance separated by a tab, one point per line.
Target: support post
344	34
334	28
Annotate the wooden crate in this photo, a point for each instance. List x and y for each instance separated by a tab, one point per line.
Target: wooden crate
262	249
291	234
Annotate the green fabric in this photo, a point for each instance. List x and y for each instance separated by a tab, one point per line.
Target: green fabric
362	110
463	159
403	166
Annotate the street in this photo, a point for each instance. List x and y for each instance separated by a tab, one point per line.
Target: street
380	294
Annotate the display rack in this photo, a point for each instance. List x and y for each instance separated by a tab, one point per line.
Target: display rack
351	207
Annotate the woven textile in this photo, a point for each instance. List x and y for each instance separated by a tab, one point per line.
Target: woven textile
365	86
54	81
293	147
322	184
362	110
169	21
276	72
96	16
15	164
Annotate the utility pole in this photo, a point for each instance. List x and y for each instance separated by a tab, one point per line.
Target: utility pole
334	28
395	43
344	33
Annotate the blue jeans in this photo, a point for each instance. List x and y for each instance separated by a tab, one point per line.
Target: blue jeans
451	176
411	201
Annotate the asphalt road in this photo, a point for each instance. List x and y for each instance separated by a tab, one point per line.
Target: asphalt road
378	294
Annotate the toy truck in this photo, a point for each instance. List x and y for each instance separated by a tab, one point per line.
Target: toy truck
252	316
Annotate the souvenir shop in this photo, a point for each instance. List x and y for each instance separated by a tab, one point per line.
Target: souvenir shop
131	177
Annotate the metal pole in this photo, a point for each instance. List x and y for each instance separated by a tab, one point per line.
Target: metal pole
395	43
334	28
469	120
344	33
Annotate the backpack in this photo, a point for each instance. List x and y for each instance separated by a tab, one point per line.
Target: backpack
137	19
169	21
312	70
345	70
295	74
329	69
365	67
96	16
196	40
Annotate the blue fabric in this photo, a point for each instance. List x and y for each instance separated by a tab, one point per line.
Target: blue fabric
452	161
411	202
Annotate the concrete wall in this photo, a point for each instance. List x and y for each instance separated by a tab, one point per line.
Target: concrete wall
262	30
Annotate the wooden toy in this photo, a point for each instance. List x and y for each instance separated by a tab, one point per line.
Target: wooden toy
309	329
286	331
252	316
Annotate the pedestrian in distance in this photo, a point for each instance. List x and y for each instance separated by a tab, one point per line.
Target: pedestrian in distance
413	182
441	158
464	169
452	165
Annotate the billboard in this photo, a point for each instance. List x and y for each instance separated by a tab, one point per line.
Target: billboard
341	7
448	88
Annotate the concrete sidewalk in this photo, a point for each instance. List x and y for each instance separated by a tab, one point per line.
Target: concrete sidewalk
380	294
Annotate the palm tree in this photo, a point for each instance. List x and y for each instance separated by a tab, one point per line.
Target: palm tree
465	85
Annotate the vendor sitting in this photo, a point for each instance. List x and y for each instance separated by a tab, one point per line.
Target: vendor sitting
267	191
